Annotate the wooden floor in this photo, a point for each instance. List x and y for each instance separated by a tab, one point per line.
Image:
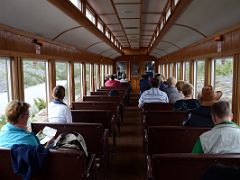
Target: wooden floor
127	163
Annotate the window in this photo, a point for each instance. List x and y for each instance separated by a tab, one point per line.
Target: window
96	77
88	79
223	77
5	87
90	16
175	2
35	84
100	26
168	13
62	78
106	69
178	73
78	81
186	70
102	74
166	73
77	3
171	70
199	76
110	69
107	33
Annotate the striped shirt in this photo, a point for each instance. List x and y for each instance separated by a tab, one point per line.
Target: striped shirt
153	95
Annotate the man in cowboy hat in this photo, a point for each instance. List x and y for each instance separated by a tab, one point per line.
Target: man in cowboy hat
224	137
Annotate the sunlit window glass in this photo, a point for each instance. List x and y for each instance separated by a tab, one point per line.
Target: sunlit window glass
175	2
5	87
102	74
168	13
78	81
77	3
100	26
223	77
90	16
62	78
96	77
199	76
186	71
88	79
35	84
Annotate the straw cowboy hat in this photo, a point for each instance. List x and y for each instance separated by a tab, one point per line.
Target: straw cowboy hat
209	96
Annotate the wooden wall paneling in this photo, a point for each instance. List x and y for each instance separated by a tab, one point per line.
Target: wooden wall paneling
191	72
236	89
51	76
208	73
71	83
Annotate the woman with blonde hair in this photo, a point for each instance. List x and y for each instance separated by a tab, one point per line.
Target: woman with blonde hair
58	111
187	103
15	131
201	117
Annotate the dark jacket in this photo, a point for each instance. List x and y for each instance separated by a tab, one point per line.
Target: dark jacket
186	105
27	159
200	117
144	85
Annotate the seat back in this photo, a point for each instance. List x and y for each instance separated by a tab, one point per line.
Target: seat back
92	133
93	116
169	139
59	165
188	166
157	107
164	118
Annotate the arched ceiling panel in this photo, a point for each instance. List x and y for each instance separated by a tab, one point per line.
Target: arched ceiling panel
182	36
98	48
36	16
80	38
166	47
211	16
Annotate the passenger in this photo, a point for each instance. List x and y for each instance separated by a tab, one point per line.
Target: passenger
224	137
171	82
58	111
163	85
188	103
112	82
15	131
153	94
201	117
124	79
179	95
144	83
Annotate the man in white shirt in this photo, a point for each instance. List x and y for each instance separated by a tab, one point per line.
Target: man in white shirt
153	95
224	137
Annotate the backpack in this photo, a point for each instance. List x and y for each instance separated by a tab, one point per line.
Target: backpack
71	140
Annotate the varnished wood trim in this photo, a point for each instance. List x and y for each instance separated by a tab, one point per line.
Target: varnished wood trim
236	89
71	83
178	10
74	13
207	75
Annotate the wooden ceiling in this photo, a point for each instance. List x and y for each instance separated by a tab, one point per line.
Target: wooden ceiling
132	22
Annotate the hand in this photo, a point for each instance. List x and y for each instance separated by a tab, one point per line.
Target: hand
51	141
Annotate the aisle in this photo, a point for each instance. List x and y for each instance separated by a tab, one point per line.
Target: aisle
128	162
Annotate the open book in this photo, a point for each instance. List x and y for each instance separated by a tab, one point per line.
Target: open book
46	134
